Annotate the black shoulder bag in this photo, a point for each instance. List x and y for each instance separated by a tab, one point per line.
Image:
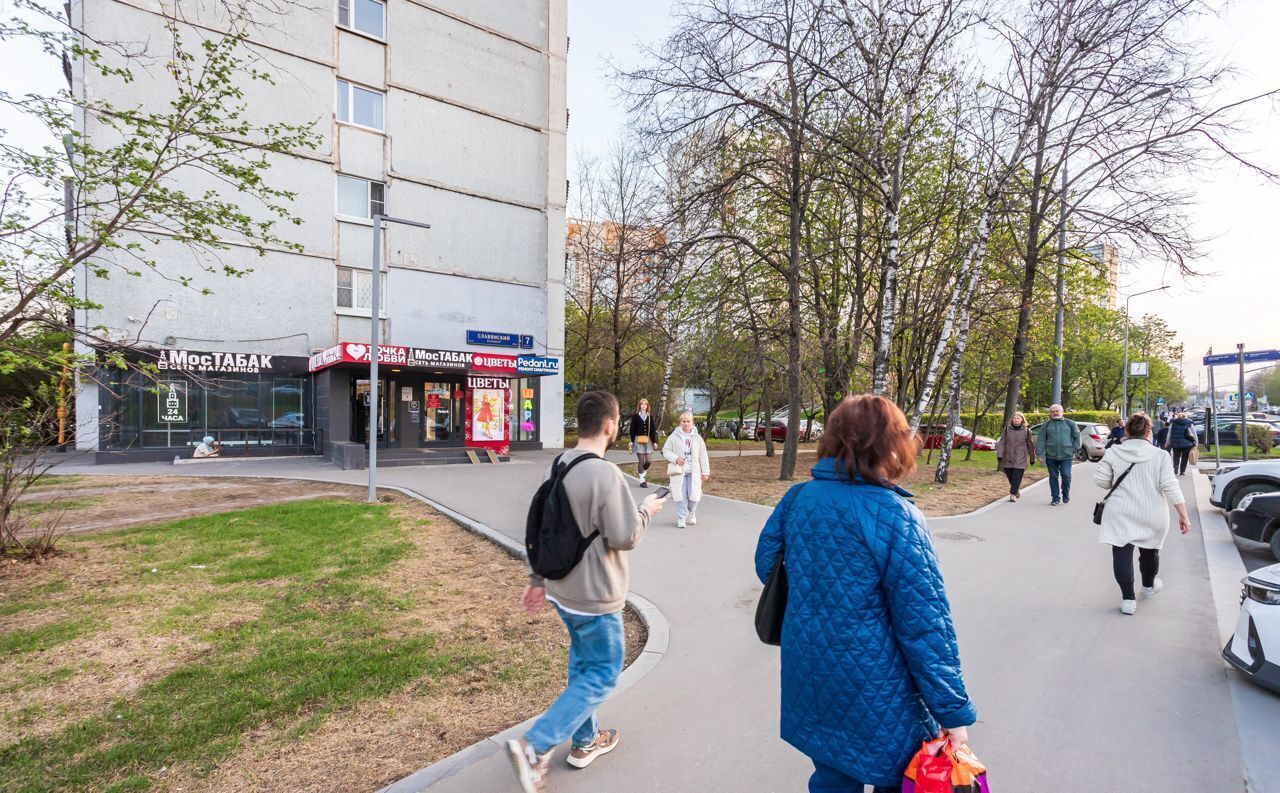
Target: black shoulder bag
1102	505
773	600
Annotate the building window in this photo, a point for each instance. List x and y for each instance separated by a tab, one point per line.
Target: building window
366	16
360	198
363	106
355	289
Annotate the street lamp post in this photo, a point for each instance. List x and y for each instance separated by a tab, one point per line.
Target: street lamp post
1124	403
375	328
1060	316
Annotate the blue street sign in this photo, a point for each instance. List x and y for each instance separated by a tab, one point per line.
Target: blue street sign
1160	401
526	342
1257	356
491	339
1248	395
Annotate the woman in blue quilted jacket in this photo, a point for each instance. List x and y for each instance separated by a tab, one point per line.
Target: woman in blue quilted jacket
870	665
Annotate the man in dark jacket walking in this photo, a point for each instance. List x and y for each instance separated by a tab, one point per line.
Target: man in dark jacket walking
1058	442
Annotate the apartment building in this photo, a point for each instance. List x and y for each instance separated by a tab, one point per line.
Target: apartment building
447	112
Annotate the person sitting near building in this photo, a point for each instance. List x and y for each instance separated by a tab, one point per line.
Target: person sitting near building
208	448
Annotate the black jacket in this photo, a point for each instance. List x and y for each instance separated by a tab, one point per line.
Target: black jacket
640	427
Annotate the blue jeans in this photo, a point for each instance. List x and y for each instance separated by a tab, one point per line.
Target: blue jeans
1059	468
597	649
826	779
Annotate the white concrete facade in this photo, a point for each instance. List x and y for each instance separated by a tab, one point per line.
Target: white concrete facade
474	143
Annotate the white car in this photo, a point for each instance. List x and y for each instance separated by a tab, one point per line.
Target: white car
1255	647
1233	482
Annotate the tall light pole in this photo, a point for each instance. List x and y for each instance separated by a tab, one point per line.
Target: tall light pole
1124	404
1060	316
375	328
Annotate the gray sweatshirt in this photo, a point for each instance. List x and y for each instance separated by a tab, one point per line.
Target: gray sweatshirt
601	501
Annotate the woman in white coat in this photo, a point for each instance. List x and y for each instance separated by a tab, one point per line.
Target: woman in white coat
688	466
1136	514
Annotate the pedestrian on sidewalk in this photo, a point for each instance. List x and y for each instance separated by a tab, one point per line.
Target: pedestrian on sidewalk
644	434
1015	450
688	466
1117	433
1181	440
589	599
1058	442
870	664
1136	514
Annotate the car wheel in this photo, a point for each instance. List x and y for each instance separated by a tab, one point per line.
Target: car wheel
1244	490
1275	543
1082	455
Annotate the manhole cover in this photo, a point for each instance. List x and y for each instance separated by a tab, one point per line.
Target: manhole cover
956	536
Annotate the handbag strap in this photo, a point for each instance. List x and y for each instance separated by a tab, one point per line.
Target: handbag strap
1118	481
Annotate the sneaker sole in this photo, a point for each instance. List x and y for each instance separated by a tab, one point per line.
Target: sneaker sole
519	762
591	758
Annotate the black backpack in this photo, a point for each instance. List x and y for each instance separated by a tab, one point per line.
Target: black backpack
552	537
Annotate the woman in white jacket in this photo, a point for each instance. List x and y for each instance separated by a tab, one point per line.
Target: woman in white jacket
1136	513
688	466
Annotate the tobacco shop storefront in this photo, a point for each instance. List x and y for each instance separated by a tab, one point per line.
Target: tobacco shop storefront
251	403
428	399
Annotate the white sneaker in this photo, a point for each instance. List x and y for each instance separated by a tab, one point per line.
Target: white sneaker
693	519
1152	591
1128	607
679	523
530	767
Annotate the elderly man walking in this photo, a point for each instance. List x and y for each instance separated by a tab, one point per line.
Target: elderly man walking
1058	441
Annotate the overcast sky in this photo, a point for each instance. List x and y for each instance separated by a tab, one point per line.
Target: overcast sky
1240	302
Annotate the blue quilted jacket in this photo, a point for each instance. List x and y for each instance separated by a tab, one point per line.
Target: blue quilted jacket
870	665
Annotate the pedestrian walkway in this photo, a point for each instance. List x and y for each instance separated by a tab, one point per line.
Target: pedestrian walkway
1071	694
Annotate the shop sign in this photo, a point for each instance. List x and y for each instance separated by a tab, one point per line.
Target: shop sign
191	361
352	352
439	359
485	382
537	364
171	402
433	401
486	362
489	338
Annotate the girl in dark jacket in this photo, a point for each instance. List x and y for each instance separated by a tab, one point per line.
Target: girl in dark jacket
1181	440
1015	450
644	434
870	665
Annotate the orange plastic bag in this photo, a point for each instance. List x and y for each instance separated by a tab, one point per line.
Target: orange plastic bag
940	767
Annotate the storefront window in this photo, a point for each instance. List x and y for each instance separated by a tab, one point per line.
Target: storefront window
176	410
524	409
442	412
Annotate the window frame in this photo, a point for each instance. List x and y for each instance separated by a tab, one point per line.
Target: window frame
350	25
355	310
347	98
371	204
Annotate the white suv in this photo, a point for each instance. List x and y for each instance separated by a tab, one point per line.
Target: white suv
1233	482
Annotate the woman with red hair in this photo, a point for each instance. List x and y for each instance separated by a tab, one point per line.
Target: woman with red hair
870	663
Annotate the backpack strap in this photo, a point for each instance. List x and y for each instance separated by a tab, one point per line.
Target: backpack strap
590	538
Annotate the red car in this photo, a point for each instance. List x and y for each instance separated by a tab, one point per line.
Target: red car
933	435
779	428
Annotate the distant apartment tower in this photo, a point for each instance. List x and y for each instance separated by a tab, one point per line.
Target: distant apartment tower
597	251
452	113
1108	256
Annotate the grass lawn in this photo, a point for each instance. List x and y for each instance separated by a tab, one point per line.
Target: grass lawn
972	484
326	644
1235	452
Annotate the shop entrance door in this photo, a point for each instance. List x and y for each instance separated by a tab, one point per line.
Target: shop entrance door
442	414
387	420
407	398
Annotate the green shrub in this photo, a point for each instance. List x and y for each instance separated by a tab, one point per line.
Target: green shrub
1259	437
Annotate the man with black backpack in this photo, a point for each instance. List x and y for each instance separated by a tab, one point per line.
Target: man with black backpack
582	522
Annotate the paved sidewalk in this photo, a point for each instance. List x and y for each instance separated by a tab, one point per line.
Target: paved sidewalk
1071	694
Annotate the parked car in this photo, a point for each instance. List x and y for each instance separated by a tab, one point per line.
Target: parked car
780	430
1093	441
1233	482
1229	433
933	435
1257	518
1254	650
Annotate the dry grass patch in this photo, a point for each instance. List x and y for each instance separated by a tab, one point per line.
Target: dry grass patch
311	645
973	484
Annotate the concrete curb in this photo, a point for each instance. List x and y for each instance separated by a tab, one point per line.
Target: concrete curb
1222	557
655	646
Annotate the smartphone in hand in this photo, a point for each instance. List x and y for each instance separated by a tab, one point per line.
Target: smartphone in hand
662	492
